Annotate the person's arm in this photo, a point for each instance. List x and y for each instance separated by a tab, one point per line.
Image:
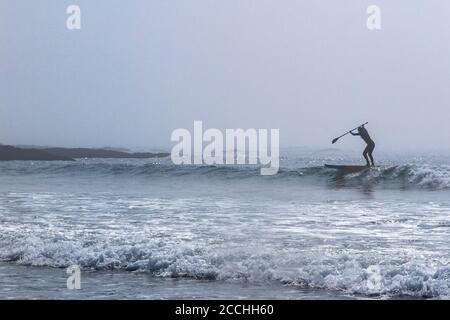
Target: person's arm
354	134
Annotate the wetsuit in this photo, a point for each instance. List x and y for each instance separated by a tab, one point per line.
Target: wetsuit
370	144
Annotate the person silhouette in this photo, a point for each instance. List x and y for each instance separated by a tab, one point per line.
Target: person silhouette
367	154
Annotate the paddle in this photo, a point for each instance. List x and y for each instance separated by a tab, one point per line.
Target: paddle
336	139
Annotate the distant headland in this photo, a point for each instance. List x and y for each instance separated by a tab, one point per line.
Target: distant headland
69	154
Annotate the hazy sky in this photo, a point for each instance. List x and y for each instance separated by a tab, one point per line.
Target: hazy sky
139	69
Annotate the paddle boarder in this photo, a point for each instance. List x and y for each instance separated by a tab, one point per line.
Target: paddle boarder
362	132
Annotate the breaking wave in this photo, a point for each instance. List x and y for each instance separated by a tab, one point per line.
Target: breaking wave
432	177
377	248
361	274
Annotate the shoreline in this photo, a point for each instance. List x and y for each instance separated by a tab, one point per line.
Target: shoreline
13	153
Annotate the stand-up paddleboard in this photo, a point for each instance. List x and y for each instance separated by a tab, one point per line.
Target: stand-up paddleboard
349	168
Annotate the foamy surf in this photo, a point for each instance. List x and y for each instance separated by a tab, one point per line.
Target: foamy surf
378	233
348	272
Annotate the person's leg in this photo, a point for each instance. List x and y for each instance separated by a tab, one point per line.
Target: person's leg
365	152
371	158
372	147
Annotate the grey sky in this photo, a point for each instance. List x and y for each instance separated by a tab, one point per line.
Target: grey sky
139	69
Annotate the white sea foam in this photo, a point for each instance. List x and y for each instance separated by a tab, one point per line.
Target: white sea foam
365	274
366	233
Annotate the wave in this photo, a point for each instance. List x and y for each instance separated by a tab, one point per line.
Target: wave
367	274
402	176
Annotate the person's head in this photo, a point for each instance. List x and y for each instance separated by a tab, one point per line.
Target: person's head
361	128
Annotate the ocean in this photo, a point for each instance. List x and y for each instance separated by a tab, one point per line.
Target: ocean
149	229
